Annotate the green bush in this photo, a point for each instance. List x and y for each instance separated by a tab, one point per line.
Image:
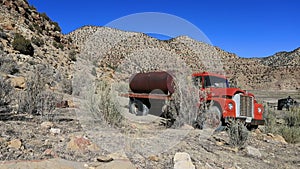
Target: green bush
103	107
8	66
58	45
238	133
290	134
5	94
22	45
56	27
45	16
36	99
35	28
3	35
72	55
289	130
37	41
270	122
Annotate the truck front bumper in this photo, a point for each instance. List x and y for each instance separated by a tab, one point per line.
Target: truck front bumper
250	121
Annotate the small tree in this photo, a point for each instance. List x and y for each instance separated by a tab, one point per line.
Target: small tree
22	45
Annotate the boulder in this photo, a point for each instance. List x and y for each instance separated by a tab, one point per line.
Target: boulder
16	144
47	125
253	152
18	82
183	161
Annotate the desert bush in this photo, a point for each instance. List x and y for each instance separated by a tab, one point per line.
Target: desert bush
8	66
1	48
5	94
22	45
72	55
35	28
37	41
289	130
290	134
3	35
35	99
67	86
94	72
45	16
293	118
270	121
58	45
56	26
103	106
238	133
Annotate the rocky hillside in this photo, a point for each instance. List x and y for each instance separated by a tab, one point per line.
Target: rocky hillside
110	47
39	130
280	71
29	39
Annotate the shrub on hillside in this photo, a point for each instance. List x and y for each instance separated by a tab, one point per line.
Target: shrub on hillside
37	41
238	133
3	35
36	99
45	16
22	45
5	94
289	130
103	107
56	27
58	45
72	55
8	66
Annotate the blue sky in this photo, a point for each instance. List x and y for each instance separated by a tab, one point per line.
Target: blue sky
249	28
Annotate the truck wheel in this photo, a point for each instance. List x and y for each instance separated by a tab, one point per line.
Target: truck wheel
212	118
138	108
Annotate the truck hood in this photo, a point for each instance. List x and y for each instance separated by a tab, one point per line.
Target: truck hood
219	92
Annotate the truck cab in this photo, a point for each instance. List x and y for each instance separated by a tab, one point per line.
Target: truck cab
227	103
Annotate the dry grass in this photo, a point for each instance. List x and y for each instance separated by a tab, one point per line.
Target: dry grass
288	126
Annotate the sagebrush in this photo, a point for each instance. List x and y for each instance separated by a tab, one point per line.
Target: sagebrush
288	127
238	133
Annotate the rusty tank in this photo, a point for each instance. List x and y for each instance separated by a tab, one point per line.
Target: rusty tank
148	82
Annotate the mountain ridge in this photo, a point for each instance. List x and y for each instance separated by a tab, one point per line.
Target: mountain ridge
249	73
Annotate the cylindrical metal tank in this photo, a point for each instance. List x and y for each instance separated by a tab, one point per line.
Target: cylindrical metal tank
147	82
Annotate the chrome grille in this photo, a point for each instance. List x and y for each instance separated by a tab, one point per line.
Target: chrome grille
246	106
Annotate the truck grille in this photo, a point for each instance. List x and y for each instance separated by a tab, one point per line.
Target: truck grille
246	106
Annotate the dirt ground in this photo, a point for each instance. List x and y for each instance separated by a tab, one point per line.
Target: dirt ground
142	142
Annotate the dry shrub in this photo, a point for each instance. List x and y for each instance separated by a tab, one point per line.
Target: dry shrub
238	133
23	45
36	99
8	66
289	130
102	105
5	95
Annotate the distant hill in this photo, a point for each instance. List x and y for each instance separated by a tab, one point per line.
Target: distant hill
279	71
110	47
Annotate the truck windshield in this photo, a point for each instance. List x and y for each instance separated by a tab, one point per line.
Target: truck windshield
214	81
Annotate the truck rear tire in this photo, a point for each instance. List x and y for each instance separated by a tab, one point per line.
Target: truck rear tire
137	107
212	118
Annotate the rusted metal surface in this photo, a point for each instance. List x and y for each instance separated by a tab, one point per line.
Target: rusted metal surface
149	82
147	96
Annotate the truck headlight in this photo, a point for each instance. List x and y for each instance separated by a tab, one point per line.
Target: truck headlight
230	106
259	110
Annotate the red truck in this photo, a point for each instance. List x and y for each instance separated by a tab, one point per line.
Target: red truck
224	102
